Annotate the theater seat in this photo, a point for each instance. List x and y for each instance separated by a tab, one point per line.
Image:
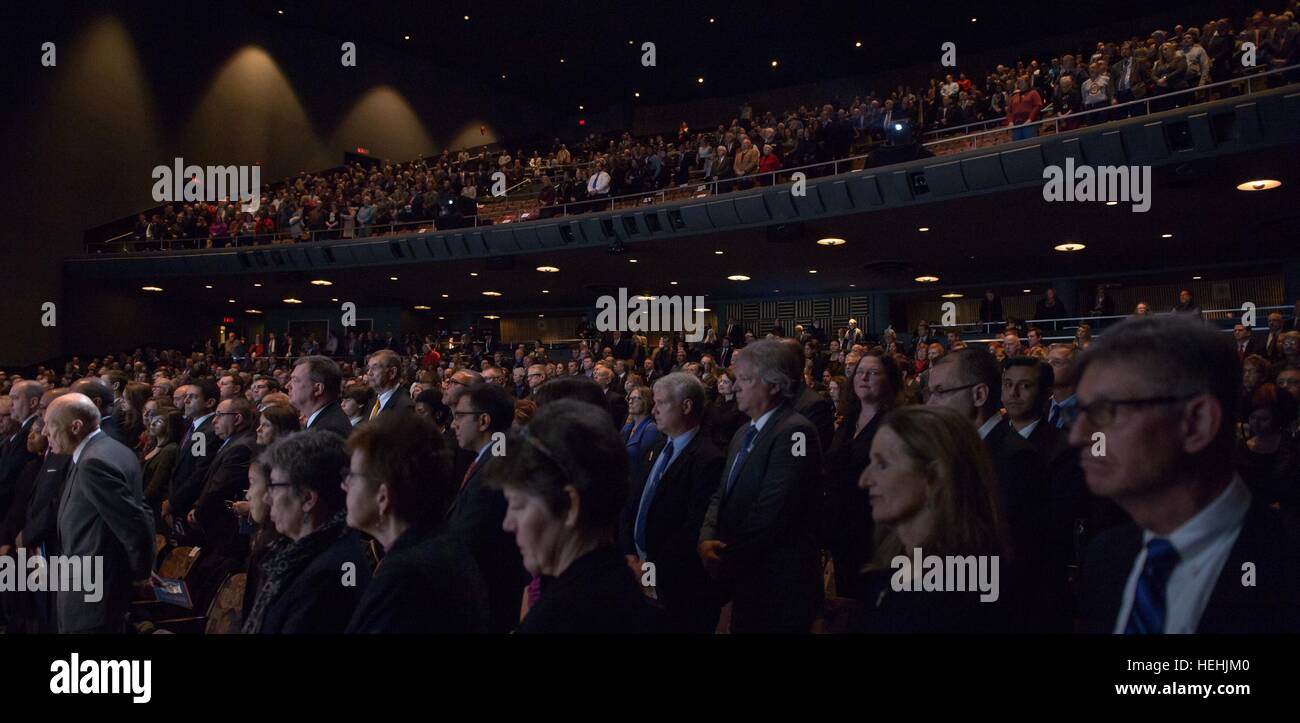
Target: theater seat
225	614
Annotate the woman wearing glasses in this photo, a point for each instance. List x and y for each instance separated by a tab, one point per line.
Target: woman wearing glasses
639	432
397	493
565	482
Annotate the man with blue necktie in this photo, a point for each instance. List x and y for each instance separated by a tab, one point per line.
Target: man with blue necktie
662	519
758	540
1156	430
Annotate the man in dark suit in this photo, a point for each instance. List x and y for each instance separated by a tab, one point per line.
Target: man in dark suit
25	399
477	511
226	480
614	396
194	456
663	516
384	375
1156	428
1272	345
758	540
102	516
969	381
1130	76
32	523
736	333
1243	343
810	404
102	397
314	388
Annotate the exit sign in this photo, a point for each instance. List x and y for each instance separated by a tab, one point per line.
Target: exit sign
362	150
228	320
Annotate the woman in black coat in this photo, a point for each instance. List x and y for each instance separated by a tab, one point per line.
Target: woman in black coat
565	480
396	491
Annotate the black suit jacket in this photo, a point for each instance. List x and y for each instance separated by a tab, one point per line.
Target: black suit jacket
1254	345
617	402
672	531
771	567
1268	539
226	481
315	601
192	469
1020	473
41	519
13	458
821	412
332	418
424	584
475	518
399	402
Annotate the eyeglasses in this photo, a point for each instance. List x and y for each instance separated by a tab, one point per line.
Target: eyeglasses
1102	411
463	414
939	391
225	414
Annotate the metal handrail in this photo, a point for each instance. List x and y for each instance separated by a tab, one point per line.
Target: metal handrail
708	188
1146	102
987	326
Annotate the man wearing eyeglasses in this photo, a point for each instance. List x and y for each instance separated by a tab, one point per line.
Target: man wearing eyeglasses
477	511
969	381
1155	425
384	376
226	480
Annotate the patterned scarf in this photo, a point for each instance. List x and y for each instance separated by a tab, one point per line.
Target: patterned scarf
284	561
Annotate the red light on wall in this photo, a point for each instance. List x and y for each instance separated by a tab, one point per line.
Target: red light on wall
227	320
582	121
362	150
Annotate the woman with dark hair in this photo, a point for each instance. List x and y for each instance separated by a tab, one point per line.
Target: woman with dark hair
723	417
565	482
301	590
932	486
871	391
1268	460
397	492
129	414
254	516
166	431
429	404
276	421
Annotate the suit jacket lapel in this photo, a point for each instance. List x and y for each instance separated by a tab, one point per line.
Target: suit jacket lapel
759	439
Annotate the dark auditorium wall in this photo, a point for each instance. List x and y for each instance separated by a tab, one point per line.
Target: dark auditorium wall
81	138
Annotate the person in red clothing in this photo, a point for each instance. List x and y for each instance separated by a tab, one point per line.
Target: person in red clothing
431	357
769	163
1023	108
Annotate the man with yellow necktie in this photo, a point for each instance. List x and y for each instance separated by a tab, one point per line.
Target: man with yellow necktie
384	375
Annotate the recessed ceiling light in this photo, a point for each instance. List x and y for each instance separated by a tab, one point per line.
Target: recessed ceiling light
446	296
1069	247
629	42
207	286
541	316
951	295
710	19
467	17
972	20
581	108
699	80
561	60
1027	290
773	63
546	291
548	269
406	37
1196	278
442	317
1112	203
1166	235
258	285
923	229
422	307
491	293
776	291
852	285
252	311
392	278
1263	184
230	301
737	277
631	261
292	300
647	297
491	316
812	271
673	283
279	12
717	253
333	298
473	273
926	279
503	76
321	282
831	241
151	288
858	44
703	308
637	94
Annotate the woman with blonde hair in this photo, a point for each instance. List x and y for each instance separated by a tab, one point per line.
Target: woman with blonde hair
639	431
932	486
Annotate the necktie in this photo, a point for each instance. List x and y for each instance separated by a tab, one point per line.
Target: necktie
1148	614
649	494
374	411
1054	417
465	480
741	455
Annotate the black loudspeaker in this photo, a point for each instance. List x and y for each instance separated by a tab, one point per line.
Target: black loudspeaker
782	233
889	155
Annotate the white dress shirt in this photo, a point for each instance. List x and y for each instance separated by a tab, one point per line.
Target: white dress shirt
988	425
1203	544
1029	428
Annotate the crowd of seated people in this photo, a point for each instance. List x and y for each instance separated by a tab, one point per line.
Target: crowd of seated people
742	483
447	191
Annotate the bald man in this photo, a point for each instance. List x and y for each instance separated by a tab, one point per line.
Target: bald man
101	514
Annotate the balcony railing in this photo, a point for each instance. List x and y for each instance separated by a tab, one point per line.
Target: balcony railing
697	189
